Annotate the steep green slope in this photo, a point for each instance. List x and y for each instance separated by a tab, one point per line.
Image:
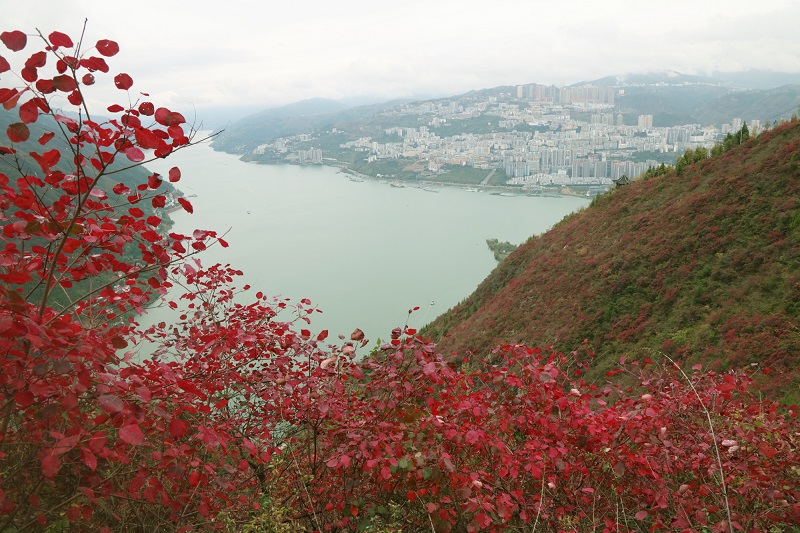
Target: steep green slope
704	266
131	176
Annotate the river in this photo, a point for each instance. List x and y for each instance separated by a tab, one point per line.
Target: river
363	252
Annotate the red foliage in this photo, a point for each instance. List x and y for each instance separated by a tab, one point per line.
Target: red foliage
236	406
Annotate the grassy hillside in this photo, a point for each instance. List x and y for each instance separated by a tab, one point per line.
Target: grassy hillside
704	267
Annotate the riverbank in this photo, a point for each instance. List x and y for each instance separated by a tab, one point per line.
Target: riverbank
515	190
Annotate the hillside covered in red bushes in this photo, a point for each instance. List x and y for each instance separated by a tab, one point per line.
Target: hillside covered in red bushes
703	266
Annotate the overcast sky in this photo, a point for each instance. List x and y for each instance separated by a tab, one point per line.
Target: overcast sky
263	53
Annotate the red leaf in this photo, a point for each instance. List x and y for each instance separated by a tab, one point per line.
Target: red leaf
111	403
123	81
45	86
107	48
39	59
134	154
115	108
45	138
29	112
177	427
94	64
119	343
136	212
88	79
51	464
153	181
89	459
165	117
66	444
186	205
322	335
47	159
18	132
147	109
58	39
194	479
24	398
29	74
9	97
4	66
174	174
75	98
641	515
64	83
768	451
144	137
14	40
357	335
131	434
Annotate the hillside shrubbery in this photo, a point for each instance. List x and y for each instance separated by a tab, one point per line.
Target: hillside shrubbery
702	265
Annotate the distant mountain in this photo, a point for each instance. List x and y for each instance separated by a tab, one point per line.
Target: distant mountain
672	105
301	117
671	97
707	104
664	77
757	79
770	104
310	107
748	79
674	98
703	266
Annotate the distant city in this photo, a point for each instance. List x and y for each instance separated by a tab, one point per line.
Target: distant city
538	135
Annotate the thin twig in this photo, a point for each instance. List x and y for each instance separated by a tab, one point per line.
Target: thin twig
714	440
541	499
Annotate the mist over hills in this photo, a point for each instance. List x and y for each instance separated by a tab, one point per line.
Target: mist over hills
746	79
703	266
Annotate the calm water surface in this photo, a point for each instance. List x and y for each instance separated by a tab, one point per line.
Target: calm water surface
363	252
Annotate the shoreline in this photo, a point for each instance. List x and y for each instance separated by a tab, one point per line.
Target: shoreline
547	191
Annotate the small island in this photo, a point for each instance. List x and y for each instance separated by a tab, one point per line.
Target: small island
500	249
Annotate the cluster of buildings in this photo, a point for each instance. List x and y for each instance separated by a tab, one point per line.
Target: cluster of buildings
545	135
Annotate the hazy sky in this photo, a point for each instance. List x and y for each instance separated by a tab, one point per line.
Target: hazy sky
266	53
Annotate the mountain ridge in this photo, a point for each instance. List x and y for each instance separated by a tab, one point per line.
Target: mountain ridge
671	97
